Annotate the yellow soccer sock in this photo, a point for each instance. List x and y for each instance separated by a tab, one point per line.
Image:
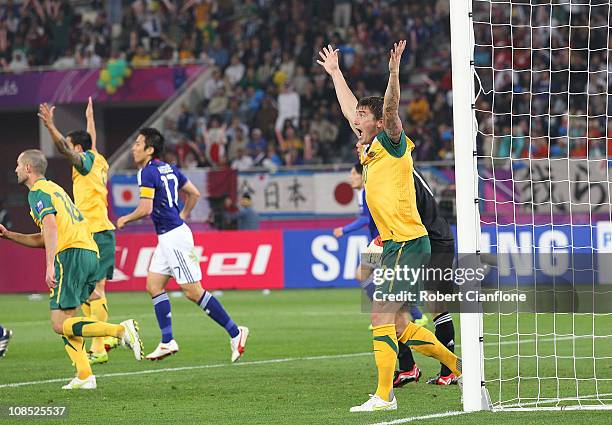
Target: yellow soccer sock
86	326
86	309
385	355
99	311
425	342
75	347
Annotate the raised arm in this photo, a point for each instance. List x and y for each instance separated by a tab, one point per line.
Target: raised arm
91	123
40	11
391	120
34	240
346	98
45	113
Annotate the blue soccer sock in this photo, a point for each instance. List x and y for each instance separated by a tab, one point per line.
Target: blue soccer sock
215	310
161	303
1	331
415	313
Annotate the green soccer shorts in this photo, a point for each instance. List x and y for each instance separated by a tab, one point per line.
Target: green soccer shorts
75	273
106	245
407	260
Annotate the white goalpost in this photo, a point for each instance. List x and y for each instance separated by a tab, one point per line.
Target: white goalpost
533	147
474	391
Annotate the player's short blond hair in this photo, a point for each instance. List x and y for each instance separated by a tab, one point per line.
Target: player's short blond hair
36	159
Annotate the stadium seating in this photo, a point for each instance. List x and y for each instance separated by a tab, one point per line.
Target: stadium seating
257	76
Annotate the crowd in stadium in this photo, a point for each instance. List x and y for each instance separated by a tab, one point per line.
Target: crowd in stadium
268	102
530	79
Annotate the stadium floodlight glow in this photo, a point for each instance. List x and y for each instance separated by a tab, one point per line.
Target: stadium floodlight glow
531	128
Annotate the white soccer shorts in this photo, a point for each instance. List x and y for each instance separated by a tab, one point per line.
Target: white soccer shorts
175	256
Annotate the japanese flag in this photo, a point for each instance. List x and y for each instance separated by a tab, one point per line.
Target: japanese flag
334	194
125	195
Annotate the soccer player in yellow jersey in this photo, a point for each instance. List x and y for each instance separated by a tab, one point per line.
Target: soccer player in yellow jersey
72	264
89	175
385	152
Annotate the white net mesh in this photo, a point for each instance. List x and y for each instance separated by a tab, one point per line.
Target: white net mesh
544	141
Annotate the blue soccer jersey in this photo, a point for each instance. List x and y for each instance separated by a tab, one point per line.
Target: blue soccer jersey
161	182
364	219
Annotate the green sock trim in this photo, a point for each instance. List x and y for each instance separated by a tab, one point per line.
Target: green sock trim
77	328
387	339
413	342
66	342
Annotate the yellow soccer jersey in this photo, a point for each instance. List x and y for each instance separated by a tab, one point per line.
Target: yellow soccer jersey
45	198
389	188
90	192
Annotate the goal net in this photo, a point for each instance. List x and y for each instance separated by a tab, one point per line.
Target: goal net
533	143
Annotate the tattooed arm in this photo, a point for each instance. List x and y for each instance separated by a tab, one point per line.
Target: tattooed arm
45	113
391	120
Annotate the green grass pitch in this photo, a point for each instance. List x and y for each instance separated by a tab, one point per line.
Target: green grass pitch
308	360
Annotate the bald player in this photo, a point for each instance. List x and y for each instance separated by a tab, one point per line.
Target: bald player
71	258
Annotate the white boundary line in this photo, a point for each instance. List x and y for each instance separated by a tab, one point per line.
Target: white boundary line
252	363
120	317
257	362
209	366
506	409
419	418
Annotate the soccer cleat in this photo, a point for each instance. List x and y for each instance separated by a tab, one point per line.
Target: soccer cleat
4	340
403	377
110	342
423	321
238	343
131	338
98	358
450	379
163	350
88	383
375	404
